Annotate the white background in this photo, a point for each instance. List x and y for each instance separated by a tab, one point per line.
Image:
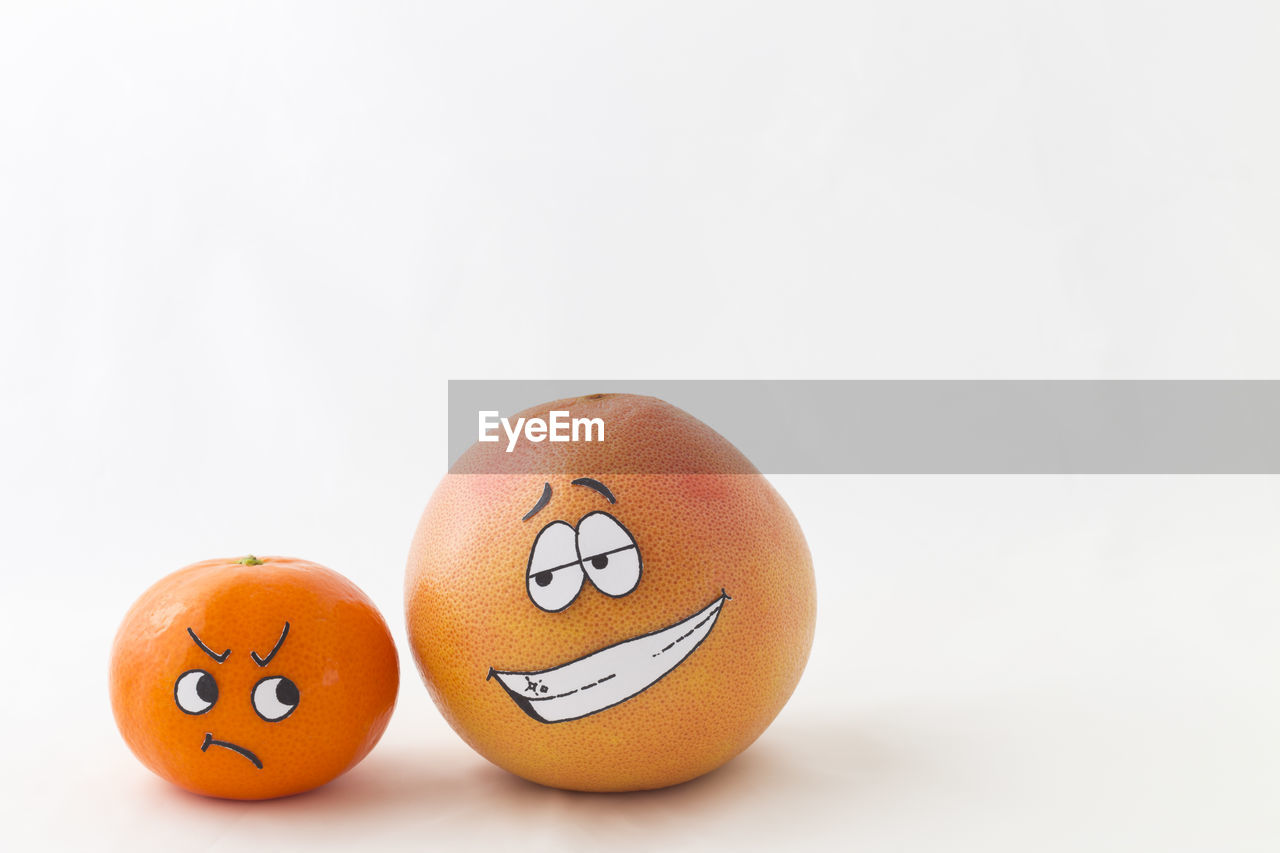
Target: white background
244	245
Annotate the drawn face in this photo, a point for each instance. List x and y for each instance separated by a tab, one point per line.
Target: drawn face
600	552
252	678
273	697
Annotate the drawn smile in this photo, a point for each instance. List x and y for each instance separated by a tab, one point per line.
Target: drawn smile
609	676
209	741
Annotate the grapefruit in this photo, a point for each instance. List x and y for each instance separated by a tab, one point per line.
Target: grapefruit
610	616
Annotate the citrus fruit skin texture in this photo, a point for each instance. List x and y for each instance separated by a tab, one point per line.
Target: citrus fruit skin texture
470	606
338	660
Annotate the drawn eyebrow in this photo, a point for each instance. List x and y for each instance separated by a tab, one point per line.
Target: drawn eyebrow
208	651
542	501
280	642
597	485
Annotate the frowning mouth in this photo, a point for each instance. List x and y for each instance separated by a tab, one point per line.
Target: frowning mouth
209	741
611	675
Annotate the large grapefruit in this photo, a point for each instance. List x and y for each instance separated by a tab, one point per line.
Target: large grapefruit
589	623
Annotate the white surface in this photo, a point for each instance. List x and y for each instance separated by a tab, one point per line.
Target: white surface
243	245
1002	664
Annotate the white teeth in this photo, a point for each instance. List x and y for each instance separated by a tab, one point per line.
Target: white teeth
612	675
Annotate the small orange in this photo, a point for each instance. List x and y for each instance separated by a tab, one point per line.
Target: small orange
589	623
253	678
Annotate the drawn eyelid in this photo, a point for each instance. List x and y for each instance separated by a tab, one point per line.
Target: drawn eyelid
529	570
557	568
586	557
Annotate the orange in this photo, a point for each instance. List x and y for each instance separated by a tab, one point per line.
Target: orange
253	678
589	624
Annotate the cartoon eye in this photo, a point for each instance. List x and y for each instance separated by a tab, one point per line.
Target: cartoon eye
274	698
195	691
610	556
555	575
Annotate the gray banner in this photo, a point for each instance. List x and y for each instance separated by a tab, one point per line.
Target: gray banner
945	427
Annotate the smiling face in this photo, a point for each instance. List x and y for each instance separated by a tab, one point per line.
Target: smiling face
599	550
574	629
252	681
